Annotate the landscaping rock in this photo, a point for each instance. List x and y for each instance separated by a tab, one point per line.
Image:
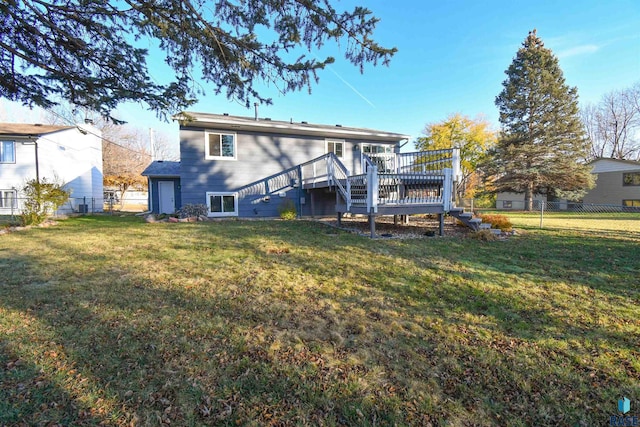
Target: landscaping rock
150	218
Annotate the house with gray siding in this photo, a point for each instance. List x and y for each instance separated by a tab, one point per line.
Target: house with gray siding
617	183
249	167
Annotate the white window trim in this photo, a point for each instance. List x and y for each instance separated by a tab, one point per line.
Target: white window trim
2	198
206	146
335	141
389	147
221	214
13	145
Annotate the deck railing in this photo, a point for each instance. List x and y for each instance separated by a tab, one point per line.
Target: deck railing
316	172
425	177
326	170
410	189
428	162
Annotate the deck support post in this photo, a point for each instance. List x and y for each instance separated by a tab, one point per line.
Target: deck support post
313	203
339	219
395	220
441	224
372	225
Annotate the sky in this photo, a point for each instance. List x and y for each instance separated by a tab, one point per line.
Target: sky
451	59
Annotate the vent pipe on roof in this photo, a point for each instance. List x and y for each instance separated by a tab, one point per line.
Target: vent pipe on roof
255	105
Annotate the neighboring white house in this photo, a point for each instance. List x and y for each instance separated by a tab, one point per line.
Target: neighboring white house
71	155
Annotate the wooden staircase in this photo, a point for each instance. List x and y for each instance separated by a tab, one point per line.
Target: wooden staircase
468	219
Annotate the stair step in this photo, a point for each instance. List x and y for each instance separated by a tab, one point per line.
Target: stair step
465	216
485	226
477	221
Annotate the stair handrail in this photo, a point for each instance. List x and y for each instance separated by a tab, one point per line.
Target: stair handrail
338	174
313	162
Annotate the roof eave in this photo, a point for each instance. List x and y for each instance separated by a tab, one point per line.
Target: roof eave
291	128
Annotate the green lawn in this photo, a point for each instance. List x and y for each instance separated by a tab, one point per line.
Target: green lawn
599	222
112	321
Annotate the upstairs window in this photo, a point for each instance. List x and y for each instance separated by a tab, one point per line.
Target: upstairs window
631	179
7	152
336	147
220	146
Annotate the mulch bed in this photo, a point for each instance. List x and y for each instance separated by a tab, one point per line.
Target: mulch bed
418	227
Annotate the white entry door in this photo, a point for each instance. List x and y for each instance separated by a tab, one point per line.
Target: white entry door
166	197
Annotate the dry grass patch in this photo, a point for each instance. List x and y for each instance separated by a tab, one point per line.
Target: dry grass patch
113	321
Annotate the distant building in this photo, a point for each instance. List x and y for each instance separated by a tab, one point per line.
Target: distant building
71	155
617	184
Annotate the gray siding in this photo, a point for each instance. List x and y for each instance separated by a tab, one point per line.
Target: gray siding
609	190
258	156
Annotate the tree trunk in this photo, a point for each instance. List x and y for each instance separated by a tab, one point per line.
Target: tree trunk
528	197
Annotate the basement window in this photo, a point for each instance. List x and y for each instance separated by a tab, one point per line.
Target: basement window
8	199
222	204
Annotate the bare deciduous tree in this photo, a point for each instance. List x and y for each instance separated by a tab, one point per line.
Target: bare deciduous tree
613	125
126	150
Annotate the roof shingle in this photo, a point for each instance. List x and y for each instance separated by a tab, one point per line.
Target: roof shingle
26	129
162	168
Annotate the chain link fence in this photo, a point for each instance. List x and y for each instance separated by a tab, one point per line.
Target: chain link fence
563	206
11	207
564	214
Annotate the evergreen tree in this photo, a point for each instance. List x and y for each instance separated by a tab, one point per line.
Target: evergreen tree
542	140
93	53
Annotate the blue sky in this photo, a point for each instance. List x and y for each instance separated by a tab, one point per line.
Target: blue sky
451	58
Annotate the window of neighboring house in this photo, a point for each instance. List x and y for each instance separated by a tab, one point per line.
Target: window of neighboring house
220	146
507	204
7	152
335	146
631	178
222	204
7	199
631	203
